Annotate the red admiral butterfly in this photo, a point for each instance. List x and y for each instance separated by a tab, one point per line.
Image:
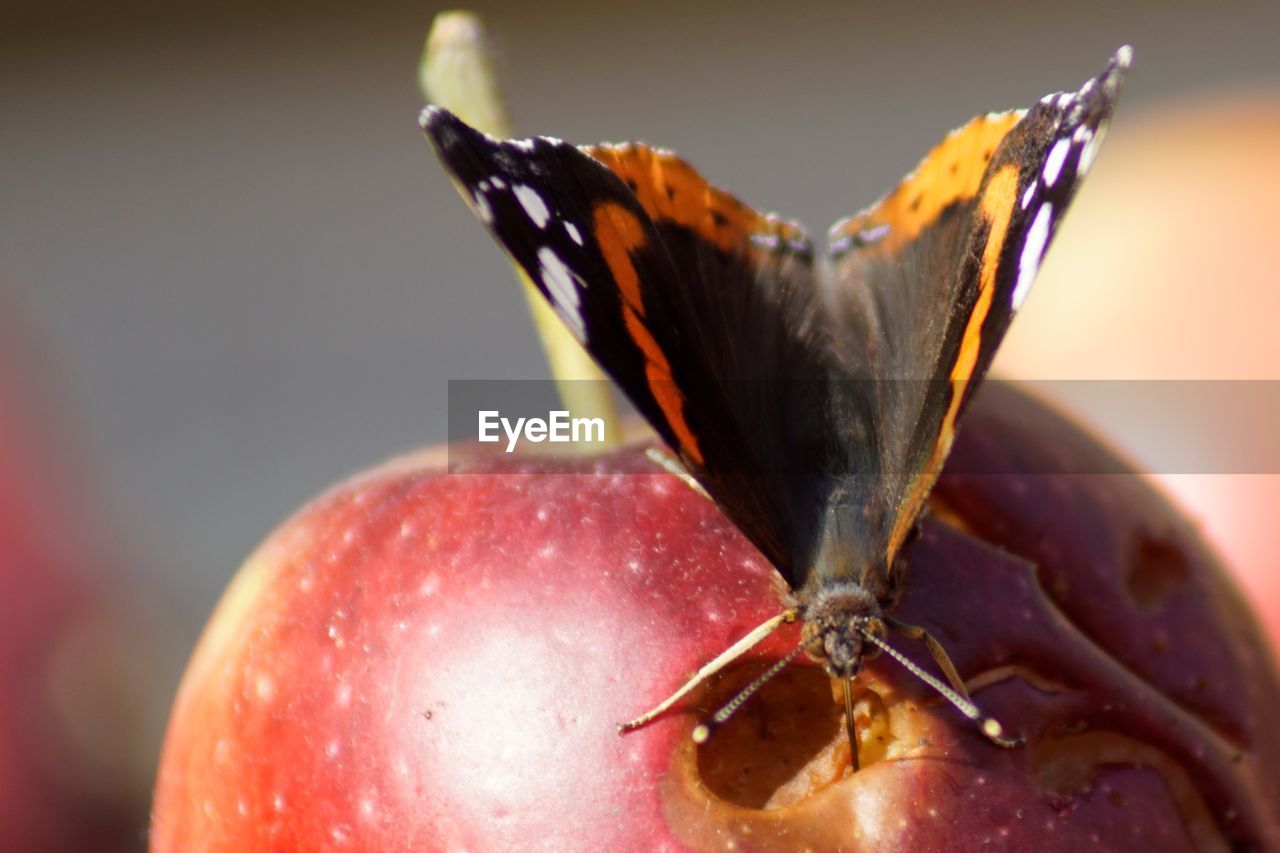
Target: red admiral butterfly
816	411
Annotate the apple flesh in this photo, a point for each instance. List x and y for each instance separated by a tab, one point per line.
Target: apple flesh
430	660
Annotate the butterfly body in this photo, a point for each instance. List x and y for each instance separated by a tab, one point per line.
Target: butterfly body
814	400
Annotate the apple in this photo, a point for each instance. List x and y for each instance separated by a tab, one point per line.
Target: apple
74	745
423	659
1130	266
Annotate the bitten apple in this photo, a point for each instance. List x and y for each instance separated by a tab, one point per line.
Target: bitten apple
427	660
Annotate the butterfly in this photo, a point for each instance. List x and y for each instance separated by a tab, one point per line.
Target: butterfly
813	396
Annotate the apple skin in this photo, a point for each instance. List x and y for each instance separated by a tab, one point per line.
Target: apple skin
429	660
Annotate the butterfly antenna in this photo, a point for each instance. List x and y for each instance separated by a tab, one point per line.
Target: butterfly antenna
703	730
990	726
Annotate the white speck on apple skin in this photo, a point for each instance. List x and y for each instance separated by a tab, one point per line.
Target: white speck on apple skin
264	687
430	584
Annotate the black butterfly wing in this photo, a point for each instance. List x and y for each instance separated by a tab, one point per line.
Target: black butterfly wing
928	279
819	419
703	310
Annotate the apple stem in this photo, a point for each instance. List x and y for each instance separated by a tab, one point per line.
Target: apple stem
664	460
457	73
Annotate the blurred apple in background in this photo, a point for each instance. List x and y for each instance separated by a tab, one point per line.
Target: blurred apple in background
421	660
1165	270
78	697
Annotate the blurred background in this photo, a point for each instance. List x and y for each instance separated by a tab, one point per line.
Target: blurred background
232	273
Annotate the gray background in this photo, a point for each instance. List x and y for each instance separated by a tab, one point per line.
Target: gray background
241	274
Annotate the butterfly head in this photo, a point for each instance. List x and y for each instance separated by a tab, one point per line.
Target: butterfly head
836	624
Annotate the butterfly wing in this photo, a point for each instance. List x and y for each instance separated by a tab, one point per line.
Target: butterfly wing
702	309
933	273
818	418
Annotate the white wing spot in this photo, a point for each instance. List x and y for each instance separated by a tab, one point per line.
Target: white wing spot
1053	163
482	208
574	234
1032	252
1082	133
1065	99
498	183
1028	195
561	287
533	204
1090	151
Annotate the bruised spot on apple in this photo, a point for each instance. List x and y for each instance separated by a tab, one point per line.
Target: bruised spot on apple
422	660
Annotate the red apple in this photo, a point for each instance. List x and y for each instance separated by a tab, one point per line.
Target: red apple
427	660
74	747
1167	292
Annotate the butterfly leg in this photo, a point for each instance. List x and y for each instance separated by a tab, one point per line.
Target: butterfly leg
728	656
990	727
671	465
940	656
